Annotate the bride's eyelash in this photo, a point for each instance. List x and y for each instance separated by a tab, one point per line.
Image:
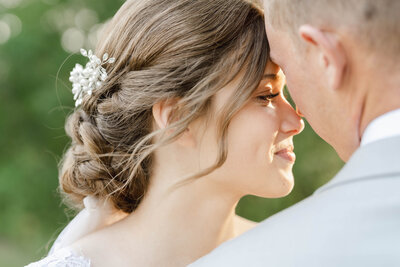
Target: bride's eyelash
268	97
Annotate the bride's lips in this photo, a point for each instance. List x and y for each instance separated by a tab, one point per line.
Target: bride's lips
287	153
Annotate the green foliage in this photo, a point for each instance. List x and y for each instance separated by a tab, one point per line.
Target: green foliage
32	114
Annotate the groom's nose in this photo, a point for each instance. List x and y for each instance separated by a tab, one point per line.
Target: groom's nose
291	122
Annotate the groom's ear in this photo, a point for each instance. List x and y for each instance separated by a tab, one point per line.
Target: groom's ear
332	55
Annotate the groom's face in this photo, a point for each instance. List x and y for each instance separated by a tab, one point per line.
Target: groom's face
303	79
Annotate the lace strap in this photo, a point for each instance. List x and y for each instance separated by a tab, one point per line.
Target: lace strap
62	258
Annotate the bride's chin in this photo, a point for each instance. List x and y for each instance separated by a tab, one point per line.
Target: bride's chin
288	189
286	185
282	188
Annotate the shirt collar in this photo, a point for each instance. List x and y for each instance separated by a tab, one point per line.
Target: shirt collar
385	126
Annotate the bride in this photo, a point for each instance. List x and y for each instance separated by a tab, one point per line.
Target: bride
185	118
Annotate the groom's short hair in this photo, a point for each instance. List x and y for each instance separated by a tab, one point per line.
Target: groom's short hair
376	23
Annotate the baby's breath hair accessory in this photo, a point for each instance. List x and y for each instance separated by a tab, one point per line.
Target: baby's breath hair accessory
85	80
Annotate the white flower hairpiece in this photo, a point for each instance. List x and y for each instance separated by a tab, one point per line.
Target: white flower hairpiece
85	80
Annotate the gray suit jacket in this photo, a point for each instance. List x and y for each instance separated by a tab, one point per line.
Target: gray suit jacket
354	220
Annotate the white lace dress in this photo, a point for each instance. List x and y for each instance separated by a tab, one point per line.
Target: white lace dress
95	216
63	257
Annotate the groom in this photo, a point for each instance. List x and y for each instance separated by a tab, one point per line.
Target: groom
342	63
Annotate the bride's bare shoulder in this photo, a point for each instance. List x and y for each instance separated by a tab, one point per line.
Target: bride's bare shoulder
242	224
96	246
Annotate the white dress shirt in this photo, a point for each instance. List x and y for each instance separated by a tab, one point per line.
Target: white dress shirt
385	126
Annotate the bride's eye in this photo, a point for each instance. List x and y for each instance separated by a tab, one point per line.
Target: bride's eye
268	98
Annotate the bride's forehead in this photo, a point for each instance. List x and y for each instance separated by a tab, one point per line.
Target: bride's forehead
275	76
271	68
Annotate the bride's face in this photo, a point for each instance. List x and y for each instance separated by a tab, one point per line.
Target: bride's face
260	140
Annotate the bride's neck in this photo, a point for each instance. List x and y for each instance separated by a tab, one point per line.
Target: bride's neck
191	220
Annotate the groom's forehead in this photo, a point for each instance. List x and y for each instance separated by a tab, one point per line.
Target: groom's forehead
374	23
272	56
279	44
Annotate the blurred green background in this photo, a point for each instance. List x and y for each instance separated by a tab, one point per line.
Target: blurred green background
36	37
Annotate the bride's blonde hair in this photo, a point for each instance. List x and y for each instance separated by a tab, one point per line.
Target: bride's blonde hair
180	49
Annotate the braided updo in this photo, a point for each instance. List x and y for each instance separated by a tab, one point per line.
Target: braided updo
164	49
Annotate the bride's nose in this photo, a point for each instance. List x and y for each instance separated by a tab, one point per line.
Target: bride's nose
291	122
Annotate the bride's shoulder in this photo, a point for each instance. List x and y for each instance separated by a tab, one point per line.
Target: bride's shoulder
243	225
62	257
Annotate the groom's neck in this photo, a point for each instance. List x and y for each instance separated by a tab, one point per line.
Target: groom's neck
382	95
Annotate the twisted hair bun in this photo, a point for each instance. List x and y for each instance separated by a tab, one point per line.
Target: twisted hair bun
91	167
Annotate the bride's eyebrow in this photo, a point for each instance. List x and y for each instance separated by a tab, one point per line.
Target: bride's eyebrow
270	76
